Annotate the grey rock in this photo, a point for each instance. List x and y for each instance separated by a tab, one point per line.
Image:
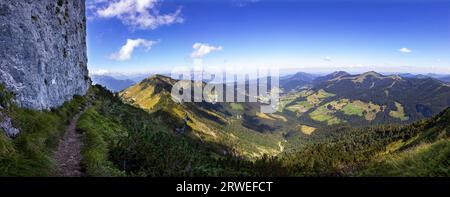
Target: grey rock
43	51
6	125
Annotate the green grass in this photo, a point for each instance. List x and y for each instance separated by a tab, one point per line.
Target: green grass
305	129
300	107
322	114
312	99
350	109
249	143
305	104
149	145
398	145
399	113
237	106
99	134
424	160
122	140
291	97
324	94
30	153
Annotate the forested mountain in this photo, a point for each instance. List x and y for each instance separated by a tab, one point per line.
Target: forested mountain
123	140
446	79
296	82
335	99
329	104
441	77
226	123
418	149
366	99
419	97
141	131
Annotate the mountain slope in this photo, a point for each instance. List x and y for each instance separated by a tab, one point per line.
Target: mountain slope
368	98
425	160
425	154
29	153
418	149
419	97
122	140
446	79
221	123
340	151
335	99
296	82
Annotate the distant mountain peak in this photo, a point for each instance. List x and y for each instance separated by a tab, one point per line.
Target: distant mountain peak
299	80
301	74
367	75
422	76
158	79
335	76
372	73
339	74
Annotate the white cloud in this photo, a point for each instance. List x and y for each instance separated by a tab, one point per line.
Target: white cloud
127	50
99	72
202	49
242	3
328	59
142	14
405	50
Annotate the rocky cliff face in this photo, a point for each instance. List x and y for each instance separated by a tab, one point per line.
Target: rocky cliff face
43	51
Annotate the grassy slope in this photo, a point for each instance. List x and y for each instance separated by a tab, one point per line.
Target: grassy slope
423	160
29	154
425	154
340	155
99	134
122	140
153	95
375	151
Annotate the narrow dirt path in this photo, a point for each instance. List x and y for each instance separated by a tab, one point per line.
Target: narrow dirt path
68	154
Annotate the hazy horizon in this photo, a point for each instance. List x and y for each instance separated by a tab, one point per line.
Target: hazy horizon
283	72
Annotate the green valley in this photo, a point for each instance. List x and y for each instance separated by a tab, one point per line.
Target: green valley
141	131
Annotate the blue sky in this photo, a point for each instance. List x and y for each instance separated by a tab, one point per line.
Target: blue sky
386	36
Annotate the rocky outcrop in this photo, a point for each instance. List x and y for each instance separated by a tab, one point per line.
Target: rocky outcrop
43	51
6	125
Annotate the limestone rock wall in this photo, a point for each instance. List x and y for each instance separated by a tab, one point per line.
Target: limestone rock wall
43	51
